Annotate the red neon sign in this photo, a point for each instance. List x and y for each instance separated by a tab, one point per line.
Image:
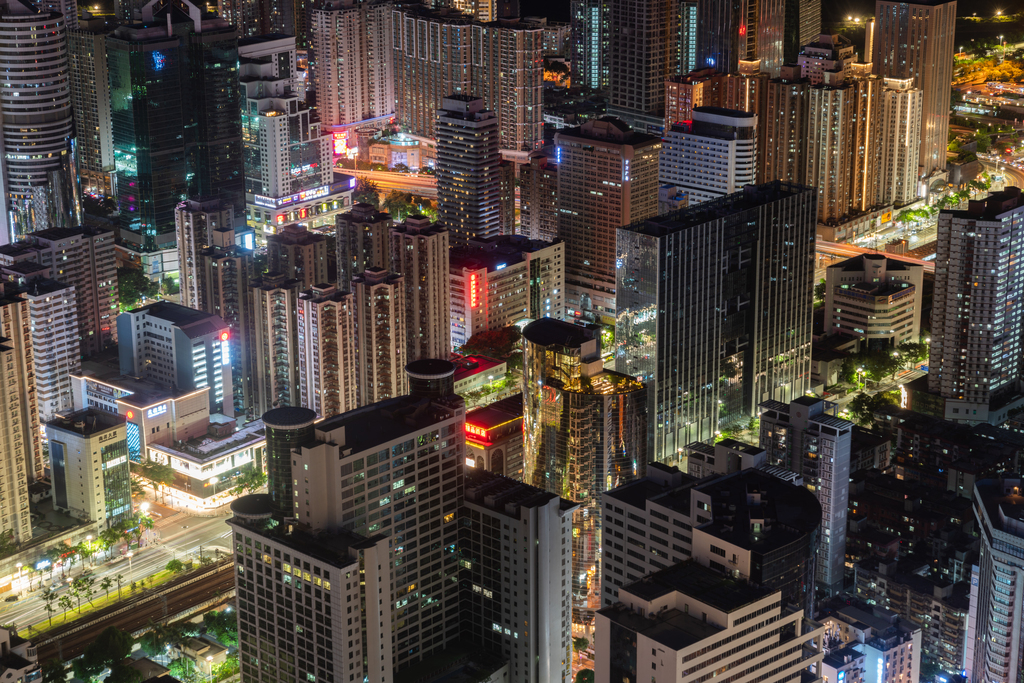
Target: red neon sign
130	415
472	291
224	336
475	430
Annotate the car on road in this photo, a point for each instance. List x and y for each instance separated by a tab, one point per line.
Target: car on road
11	598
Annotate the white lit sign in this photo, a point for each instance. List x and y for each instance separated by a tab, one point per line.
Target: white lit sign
305	196
159	410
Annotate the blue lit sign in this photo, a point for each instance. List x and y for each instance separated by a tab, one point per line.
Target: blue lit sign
500	266
159	61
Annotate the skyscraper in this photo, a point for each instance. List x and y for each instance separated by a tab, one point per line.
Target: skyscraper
54	323
900	132
585	432
737	272
380	337
364	241
275	301
500	62
784	128
467	169
354	78
298	253
188	142
327	352
287	428
976	357
712	155
915	40
687	36
807	438
589	43
538	192
90	102
38	175
607	177
419	253
195	221
643	52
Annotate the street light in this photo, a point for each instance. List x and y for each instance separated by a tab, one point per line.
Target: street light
214	480
131	577
88	543
209	667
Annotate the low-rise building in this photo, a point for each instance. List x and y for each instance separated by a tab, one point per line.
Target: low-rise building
724	457
876	298
890	646
473	373
494	437
18	661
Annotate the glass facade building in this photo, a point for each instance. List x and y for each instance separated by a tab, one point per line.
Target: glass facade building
287	428
585	433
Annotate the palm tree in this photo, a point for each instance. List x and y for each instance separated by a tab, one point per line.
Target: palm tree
49	597
65	604
110	537
105	584
120	580
54	555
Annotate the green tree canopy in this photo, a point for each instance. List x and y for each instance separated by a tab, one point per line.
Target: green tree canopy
863	406
367	192
499	344
249	481
132	285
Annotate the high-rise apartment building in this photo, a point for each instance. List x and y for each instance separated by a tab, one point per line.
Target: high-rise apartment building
763	31
327	352
902	108
784	128
682	517
419	253
38	172
585	432
468	183
354	77
275	304
689	618
20	441
83	257
687	59
829	53
712	155
589	43
364	241
54	323
978	308
915	40
607	177
195	221
742	329
286	153
378	300
538	193
90	103
189	142
440	53
507	197
401	450
298	253
875	298
534	635
643	52
806	437
683	92
89	455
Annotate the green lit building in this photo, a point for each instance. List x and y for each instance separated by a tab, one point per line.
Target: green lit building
585	432
176	131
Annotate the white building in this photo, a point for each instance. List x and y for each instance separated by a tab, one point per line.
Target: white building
685	622
89	466
19	663
804	438
902	106
875	298
711	156
54	322
977	359
889	648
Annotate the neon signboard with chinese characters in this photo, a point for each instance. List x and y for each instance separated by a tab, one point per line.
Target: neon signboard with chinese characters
304	196
158	410
476	430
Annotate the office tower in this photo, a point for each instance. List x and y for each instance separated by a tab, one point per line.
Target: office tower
784	128
87	448
915	40
584	433
179	347
539	523
22	445
381	445
195	221
381	339
354	69
419	253
90	103
878	643
494	437
327	352
504	281
589	43
900	132
538	192
288	428
806	437
468	176
298	253
188	143
772	34
713	155
687	58
778	556
363	236
84	258
54	323
831	53
275	301
996	605
499	62
39	180
607	177
336	567
743	352
286	153
976	357
689	618
644	51
876	299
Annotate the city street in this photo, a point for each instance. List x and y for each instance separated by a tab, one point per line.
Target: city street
419	185
179	536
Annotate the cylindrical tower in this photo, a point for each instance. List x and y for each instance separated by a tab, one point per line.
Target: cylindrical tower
287	428
431	377
35	104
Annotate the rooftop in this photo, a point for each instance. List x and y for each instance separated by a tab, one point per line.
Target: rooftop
552	332
505	495
388	420
205	448
467	366
330	547
289	417
190	321
495	253
498	413
700	583
88	422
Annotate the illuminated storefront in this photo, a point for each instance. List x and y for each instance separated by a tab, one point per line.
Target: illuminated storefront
313	208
